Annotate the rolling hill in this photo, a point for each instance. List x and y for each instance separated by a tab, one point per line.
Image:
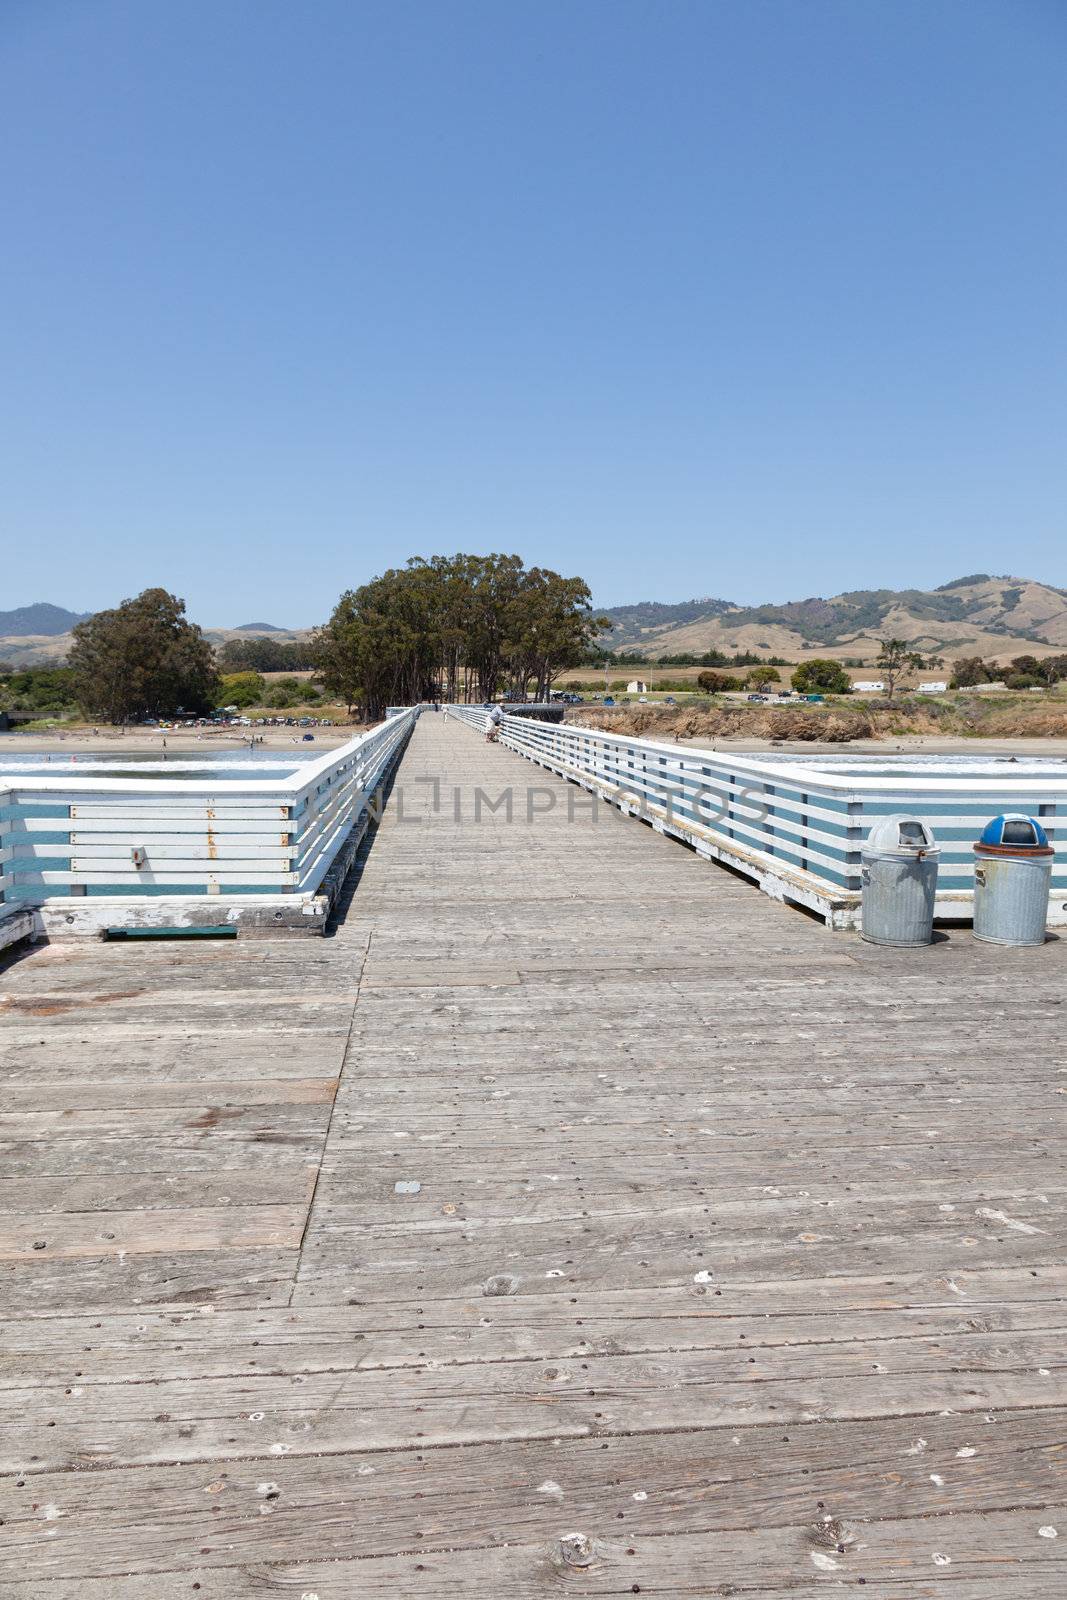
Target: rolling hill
977	615
22	645
994	617
42	620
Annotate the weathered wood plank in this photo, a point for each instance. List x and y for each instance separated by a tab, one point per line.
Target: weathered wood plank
222	1119
71	1097
178	1279
157	1191
983	1553
66	1236
258	1147
370	1505
121	1055
263	1414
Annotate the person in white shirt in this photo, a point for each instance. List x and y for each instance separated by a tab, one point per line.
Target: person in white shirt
493	720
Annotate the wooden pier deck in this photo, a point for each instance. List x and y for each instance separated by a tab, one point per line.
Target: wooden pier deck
575	1220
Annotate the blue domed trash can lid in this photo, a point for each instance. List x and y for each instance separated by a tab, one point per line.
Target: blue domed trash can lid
1014	833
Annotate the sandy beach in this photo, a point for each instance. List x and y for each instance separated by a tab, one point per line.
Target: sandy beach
140	742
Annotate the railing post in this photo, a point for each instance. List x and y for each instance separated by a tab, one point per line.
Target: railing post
853	841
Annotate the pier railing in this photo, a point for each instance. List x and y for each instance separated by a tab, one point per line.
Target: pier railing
796	827
171	829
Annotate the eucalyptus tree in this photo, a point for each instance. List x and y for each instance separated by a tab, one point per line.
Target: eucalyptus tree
458	627
377	648
142	659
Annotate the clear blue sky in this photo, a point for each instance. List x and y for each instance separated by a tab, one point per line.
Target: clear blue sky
753	298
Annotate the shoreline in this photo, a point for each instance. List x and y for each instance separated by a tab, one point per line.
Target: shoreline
142	745
145	742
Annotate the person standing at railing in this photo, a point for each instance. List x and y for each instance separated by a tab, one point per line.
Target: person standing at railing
492	724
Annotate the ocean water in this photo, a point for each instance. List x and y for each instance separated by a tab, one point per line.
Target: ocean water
911	764
185	766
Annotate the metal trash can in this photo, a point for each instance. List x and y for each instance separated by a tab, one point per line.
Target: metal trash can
1012	881
899	877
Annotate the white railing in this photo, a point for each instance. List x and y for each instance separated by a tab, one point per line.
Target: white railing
787	822
174	830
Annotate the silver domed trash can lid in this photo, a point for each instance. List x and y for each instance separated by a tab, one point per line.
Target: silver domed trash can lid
899	877
1012	880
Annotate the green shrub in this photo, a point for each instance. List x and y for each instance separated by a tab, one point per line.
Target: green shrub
241	689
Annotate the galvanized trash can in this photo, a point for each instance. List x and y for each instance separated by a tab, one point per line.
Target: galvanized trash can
899	877
1012	881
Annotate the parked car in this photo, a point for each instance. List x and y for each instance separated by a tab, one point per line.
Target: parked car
609	700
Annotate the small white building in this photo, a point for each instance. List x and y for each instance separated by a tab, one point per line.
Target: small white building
868	686
933	688
637	686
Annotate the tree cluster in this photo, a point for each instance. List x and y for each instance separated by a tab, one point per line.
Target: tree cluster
1023	672
717	682
758	678
597	657
821	676
456	628
246	689
265	655
37	691
142	659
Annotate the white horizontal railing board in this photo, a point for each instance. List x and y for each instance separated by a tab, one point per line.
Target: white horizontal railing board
76	767
191	866
206	810
84	827
161	852
198	872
